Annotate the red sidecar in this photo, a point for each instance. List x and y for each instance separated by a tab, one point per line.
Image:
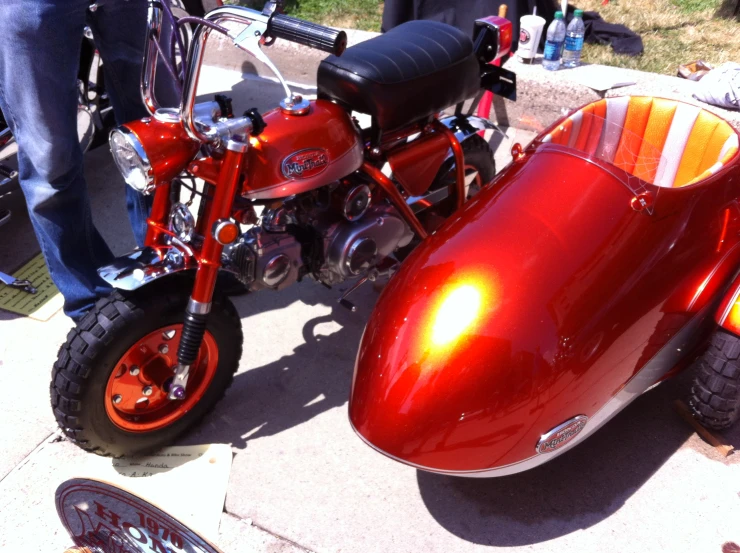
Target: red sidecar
597	264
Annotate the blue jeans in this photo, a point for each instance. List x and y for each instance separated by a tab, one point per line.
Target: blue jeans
40	42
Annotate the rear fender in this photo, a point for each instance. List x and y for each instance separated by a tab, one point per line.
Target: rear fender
145	265
465	126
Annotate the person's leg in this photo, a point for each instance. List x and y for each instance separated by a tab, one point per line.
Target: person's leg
39	57
119	30
119	33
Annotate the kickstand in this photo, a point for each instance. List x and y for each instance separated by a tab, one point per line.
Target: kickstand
387	267
344	302
20	284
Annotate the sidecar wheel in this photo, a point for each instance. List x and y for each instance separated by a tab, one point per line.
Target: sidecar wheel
110	381
715	394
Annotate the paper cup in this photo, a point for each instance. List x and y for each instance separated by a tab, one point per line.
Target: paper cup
530	32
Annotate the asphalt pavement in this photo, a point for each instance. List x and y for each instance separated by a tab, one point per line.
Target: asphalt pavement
301	480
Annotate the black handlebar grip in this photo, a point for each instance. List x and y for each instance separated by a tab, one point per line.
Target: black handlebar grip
309	34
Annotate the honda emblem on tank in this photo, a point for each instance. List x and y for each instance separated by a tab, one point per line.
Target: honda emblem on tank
561	435
306	163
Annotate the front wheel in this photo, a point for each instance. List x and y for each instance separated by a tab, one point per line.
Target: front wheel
111	378
715	394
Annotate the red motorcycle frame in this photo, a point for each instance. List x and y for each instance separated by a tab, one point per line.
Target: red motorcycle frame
165	349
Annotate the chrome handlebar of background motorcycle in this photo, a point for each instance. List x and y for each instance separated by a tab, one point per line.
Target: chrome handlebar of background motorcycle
149	67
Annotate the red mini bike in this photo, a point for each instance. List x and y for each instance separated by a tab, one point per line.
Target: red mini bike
601	261
296	192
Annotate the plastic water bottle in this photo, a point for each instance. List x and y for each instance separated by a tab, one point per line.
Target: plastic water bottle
574	40
554	43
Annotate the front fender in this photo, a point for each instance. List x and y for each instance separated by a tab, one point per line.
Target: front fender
145	265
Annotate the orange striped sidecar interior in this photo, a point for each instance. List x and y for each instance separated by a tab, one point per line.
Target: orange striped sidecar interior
628	131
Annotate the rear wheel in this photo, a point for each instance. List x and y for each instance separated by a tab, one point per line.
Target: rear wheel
715	394
479	171
111	378
480	167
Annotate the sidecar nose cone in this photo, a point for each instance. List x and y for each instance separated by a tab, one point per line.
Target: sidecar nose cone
495	330
434	386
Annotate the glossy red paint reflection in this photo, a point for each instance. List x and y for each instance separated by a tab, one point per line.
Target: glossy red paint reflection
167	146
326	133
567	293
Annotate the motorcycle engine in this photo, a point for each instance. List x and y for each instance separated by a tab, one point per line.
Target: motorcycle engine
333	234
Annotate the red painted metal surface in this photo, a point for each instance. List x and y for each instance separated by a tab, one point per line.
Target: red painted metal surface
390	189
167	146
220	207
147	365
457	188
327	127
416	164
728	313
537	302
158	216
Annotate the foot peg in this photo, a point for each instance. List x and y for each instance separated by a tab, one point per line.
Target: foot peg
20	284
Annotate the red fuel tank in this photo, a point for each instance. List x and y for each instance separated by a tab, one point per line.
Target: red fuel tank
297	153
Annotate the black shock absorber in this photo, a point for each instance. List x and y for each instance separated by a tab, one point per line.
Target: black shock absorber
191	338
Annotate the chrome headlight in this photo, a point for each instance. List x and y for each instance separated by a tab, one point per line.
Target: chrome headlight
131	159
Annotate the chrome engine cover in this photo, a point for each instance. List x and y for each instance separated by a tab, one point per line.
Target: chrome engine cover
270	256
256	253
344	241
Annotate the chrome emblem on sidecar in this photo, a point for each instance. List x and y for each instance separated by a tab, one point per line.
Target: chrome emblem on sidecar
306	163
561	435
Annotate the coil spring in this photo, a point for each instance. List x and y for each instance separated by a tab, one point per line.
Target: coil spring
193	330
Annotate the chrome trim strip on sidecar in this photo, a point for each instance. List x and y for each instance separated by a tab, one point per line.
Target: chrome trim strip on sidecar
651	373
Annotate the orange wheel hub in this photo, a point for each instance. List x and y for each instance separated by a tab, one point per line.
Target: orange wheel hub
136	395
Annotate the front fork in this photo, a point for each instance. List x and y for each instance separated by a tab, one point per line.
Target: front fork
199	306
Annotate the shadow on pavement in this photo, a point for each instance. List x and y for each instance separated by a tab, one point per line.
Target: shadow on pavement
291	390
574	491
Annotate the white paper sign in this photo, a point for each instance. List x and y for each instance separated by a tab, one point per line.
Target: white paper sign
189	482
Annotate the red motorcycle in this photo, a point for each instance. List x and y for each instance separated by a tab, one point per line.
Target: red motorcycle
296	192
603	260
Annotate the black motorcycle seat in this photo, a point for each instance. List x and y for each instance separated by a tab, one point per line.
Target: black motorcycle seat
413	71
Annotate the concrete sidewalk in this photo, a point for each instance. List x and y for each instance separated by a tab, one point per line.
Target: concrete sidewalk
301	480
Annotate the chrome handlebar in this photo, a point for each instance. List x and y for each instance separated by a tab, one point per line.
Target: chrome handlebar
248	39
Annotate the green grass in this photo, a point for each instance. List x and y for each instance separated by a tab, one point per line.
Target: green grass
673	32
355	14
691	6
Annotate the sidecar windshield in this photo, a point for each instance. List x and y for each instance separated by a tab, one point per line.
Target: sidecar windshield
631	158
